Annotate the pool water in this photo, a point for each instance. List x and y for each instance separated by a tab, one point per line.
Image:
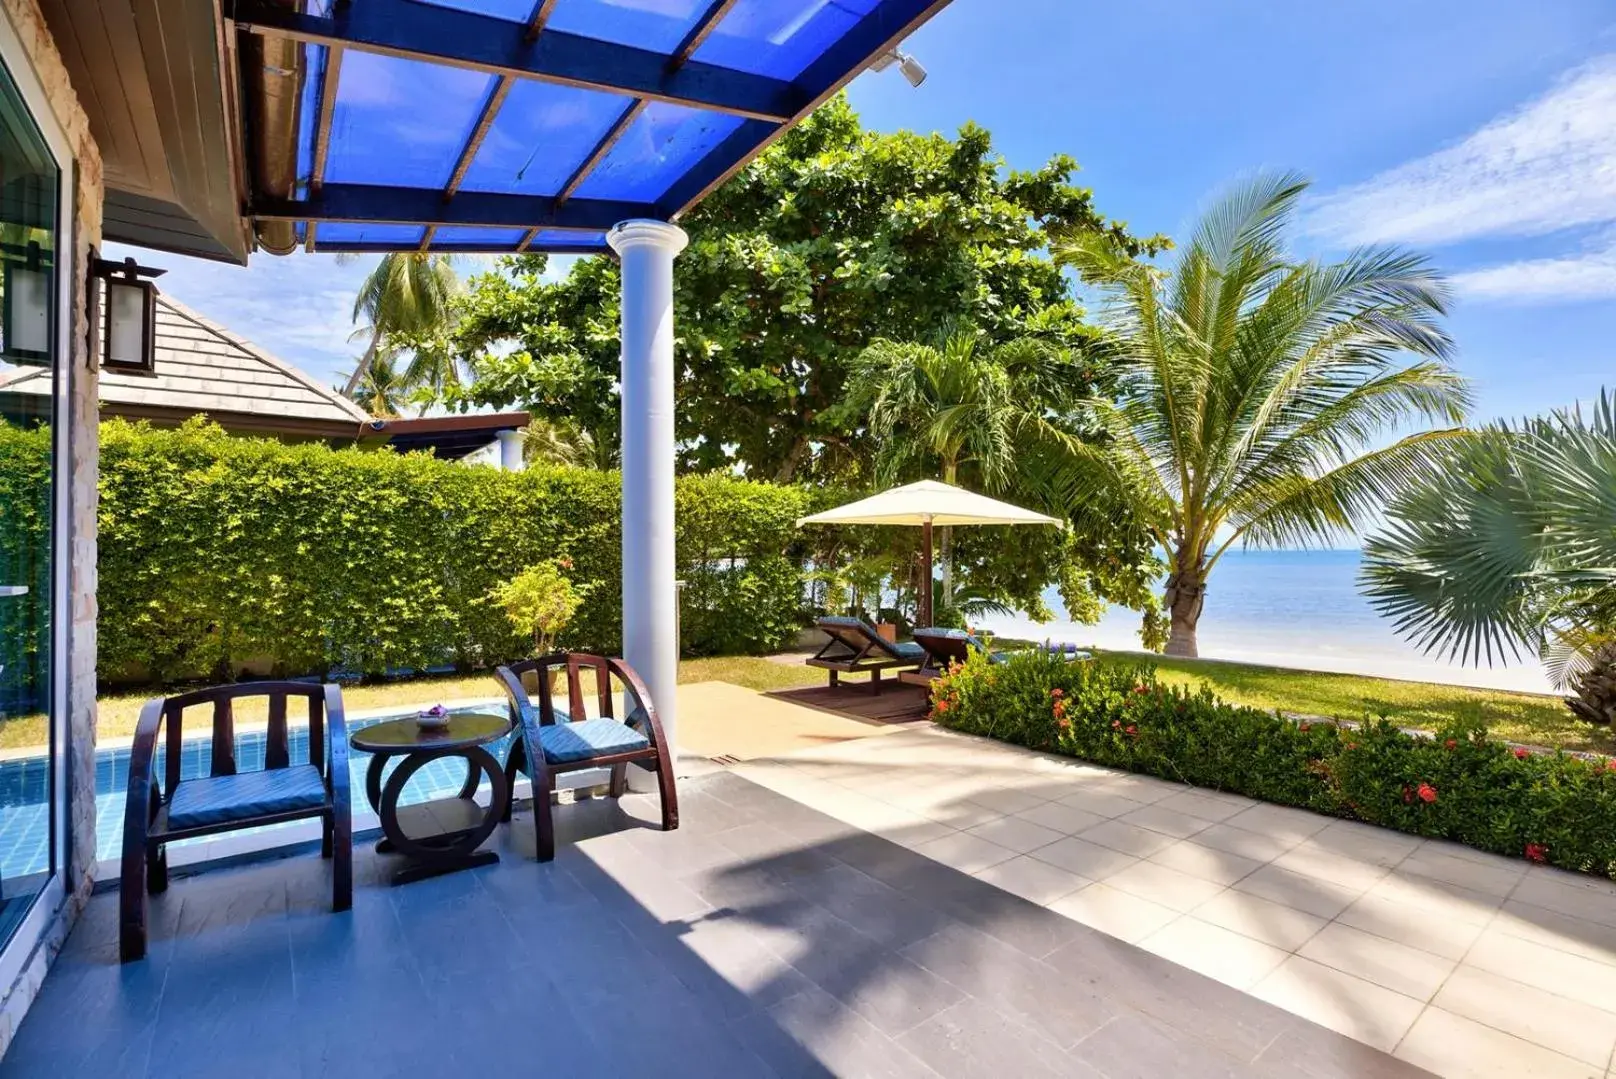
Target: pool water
25	820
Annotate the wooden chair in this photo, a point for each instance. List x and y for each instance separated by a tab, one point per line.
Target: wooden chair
227	800
549	743
855	647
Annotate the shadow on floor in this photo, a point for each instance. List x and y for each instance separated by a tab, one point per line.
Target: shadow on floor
762	938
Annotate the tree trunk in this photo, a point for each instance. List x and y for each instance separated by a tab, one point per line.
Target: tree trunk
788	468
364	365
1184	596
1595	699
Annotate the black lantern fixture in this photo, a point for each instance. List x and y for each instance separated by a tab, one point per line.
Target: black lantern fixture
129	340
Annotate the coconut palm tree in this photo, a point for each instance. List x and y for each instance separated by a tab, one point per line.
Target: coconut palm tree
963	406
380	388
1512	546
1256	391
408	294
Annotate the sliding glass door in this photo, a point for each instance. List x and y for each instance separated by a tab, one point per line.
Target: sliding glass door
30	531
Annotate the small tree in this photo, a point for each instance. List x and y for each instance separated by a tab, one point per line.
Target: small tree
540	601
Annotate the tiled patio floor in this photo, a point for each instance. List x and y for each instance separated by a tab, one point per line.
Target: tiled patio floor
762	938
1462	962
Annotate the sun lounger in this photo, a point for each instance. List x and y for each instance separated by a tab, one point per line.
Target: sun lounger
855	647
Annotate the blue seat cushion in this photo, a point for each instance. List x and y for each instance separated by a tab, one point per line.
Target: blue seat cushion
908	649
564	743
211	800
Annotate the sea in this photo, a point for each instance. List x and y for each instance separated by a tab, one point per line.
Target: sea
1286	609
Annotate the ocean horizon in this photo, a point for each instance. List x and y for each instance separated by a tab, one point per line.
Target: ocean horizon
1287	609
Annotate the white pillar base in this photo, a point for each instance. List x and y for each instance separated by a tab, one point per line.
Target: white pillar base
650	605
510	450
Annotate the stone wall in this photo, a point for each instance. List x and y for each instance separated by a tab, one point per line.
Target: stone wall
84	235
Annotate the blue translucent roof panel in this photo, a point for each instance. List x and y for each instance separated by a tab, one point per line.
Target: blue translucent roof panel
350	232
542	133
483	237
401	122
309	104
658	147
780	38
514	10
556	240
658	25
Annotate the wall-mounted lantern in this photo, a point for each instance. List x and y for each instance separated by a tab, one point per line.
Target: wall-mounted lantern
129	340
27	307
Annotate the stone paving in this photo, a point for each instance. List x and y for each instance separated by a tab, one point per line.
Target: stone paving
1459	961
762	939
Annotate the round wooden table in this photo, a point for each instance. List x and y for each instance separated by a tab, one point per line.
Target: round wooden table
461	824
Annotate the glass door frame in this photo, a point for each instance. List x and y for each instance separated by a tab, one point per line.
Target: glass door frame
65	375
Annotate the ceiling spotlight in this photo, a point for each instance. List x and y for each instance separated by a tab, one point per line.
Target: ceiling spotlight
911	68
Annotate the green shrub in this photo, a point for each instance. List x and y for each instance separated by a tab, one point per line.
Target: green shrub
1458	785
218	551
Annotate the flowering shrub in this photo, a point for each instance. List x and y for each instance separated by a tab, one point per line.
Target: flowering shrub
1459	785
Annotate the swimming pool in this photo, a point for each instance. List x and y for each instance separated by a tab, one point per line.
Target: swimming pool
25	822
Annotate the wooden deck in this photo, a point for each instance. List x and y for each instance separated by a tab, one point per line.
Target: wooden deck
896	703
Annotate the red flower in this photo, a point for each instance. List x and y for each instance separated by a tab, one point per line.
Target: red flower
1116	724
1132	730
1427	793
1057	692
1408	795
942	706
1141	688
1610	765
1536	852
1305	727
1064	724
1521	753
1450	744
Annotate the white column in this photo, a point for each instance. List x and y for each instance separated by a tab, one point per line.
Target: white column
510	451
650	622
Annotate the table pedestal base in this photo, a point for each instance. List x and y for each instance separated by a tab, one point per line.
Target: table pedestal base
448	831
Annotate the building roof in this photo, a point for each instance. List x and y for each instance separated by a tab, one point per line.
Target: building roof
510	125
201	367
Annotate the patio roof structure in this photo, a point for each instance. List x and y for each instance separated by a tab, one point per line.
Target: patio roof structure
575	126
510	125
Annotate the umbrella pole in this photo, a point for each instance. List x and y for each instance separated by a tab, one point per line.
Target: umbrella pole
925	577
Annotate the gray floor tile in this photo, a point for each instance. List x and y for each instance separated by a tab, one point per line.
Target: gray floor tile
760	939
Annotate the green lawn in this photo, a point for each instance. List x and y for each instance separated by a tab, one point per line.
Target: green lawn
1519	717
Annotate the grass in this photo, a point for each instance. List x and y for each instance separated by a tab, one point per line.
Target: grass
1517	717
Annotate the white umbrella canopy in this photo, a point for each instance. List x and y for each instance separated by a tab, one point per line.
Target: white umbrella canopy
926	504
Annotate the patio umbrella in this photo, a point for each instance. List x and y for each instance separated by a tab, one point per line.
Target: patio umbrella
928	503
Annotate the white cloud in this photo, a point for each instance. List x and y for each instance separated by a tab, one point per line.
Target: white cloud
1547	166
1589	276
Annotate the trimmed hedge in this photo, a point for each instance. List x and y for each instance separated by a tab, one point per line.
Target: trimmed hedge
1458	785
217	551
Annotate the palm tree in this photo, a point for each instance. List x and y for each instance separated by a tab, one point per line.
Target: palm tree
379	387
1255	390
956	403
408	294
1512	546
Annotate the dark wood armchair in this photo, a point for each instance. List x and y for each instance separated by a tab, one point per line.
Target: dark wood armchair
548	742
227	800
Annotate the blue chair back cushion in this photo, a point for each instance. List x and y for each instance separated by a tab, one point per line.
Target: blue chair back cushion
566	743
855	632
211	800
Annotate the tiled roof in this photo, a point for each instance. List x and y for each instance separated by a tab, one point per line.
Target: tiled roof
203	367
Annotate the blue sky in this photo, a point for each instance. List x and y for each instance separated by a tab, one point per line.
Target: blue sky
1482	132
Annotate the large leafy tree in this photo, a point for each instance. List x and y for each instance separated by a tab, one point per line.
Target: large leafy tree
834	238
1510	546
1257	392
408	296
